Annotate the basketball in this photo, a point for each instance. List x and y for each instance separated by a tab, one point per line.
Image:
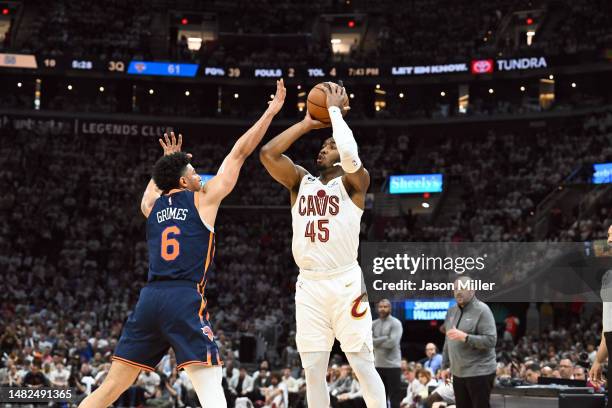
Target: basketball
316	103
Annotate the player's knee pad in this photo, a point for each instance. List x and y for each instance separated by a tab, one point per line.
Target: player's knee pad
315	361
372	386
361	361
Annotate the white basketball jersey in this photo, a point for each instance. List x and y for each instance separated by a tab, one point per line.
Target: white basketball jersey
326	225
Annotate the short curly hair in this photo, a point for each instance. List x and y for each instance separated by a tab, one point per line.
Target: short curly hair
169	169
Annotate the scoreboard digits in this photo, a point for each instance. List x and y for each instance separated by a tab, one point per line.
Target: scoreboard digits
116	66
174	69
364	72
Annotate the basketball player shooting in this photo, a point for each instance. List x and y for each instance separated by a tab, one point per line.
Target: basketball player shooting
171	310
326	212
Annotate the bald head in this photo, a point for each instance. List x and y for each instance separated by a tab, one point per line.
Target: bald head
610	235
430	350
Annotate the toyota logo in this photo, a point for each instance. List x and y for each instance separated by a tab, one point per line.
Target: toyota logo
482	66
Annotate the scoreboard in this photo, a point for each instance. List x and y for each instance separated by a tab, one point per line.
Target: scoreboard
192	70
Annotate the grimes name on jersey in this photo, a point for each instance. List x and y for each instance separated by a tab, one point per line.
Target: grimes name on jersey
319	204
171	213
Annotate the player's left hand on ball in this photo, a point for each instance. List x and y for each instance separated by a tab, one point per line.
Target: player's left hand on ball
336	95
172	144
313	123
275	105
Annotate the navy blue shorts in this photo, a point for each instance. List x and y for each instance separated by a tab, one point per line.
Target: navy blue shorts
168	314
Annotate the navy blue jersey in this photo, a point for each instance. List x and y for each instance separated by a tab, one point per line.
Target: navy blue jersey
171	310
181	247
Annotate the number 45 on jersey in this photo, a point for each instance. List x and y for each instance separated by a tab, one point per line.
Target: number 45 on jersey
321	231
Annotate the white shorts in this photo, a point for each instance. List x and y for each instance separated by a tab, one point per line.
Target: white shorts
332	307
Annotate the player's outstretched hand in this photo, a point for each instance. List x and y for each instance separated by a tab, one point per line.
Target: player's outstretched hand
275	105
336	95
172	144
311	123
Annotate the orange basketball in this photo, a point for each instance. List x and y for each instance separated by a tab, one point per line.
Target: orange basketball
316	103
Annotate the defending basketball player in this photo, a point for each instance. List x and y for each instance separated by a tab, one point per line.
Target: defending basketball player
326	213
171	310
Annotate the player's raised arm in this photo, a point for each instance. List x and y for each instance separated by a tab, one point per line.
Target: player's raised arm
224	181
281	167
356	179
170	144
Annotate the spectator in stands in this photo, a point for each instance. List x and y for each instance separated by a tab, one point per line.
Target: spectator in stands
443	393
261	380
168	394
276	394
35	377
242	385
150	381
510	330
532	373
86	379
229	371
404	367
8	341
566	368
102	373
426	380
59	375
353	398
579	373
292	384
13	378
291	357
434	359
342	384
414	387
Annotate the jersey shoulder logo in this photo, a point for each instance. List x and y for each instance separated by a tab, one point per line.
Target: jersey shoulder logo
355	313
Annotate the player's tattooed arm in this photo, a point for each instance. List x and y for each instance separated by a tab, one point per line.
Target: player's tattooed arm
170	144
223	183
280	166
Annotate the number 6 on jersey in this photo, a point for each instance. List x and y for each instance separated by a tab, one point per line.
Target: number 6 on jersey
170	247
